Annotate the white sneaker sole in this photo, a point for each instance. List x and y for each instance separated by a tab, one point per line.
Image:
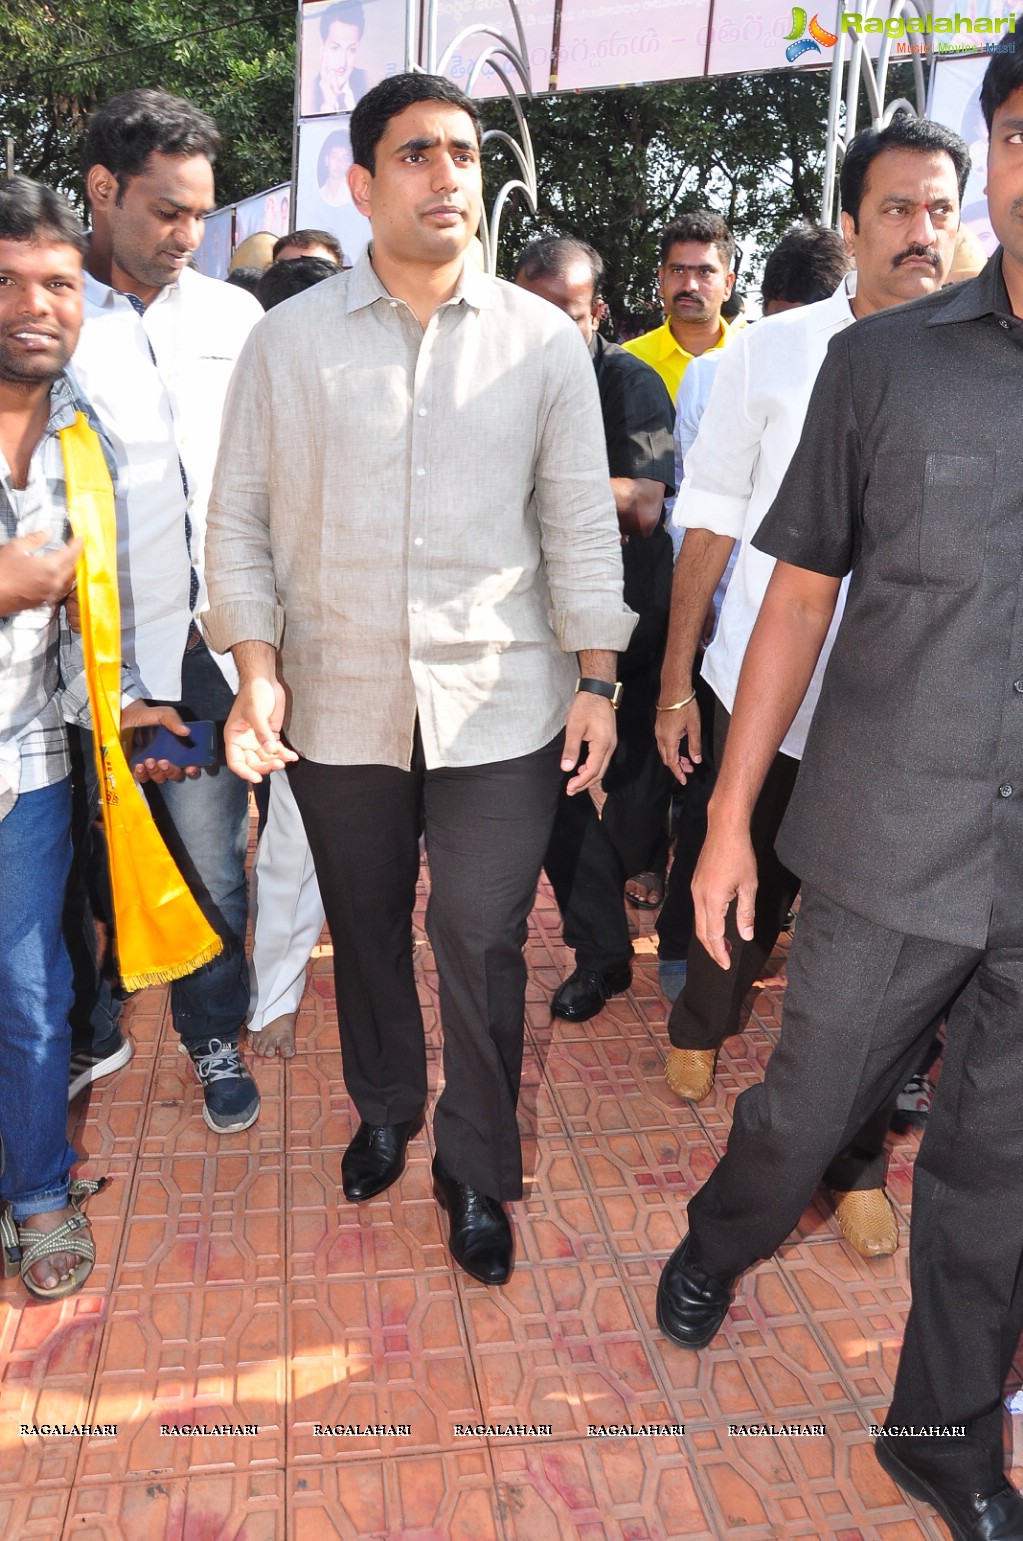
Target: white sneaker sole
236	1128
101	1068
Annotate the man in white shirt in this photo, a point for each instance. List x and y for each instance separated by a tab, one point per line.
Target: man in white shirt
156	353
806	266
901	190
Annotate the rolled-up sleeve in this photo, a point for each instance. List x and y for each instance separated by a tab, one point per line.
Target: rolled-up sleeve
578	524
243	604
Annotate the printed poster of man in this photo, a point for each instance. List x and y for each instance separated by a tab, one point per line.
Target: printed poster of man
347	46
266	211
323	200
214	255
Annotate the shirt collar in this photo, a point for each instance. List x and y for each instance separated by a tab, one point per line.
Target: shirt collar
101	296
985	295
474	287
837	308
64	404
669	345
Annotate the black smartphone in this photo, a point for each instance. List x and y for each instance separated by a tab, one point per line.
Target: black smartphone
158	743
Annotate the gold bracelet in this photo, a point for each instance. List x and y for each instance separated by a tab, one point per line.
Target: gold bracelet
678	704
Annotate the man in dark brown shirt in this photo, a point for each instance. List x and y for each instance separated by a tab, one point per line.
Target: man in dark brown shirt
907	828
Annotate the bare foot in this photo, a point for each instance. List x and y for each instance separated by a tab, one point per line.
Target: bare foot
51	1270
277	1037
645	890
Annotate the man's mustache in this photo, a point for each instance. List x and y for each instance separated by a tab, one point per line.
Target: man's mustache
929	252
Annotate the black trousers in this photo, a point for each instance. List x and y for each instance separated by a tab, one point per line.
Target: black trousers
675	921
859	1012
716	1002
487	827
589	858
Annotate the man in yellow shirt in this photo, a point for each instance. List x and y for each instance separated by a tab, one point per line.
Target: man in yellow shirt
695	279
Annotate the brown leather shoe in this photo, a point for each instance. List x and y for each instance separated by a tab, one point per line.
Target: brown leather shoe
868	1221
690	1073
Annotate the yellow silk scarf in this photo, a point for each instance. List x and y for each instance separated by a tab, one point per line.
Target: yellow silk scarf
161	933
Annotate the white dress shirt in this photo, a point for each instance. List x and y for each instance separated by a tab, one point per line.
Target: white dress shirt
158	383
748	435
690	405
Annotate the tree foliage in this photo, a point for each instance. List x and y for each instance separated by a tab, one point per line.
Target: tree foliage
59	60
614	167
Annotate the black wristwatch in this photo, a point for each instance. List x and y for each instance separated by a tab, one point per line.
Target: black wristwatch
613	693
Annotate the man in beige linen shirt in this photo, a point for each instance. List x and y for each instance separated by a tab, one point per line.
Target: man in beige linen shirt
410	536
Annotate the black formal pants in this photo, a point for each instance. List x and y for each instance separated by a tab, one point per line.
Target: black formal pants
590	857
487	827
716	1002
675	921
859	1012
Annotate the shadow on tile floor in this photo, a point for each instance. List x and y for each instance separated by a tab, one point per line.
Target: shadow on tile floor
356	1382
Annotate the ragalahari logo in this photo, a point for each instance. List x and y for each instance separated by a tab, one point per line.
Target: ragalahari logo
799	43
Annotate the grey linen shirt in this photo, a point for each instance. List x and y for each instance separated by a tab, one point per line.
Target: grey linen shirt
908	809
421	522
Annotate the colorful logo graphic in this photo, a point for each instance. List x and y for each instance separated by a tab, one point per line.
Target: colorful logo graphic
799	44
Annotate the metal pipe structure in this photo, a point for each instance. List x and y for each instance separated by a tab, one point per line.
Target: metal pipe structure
507	59
843	127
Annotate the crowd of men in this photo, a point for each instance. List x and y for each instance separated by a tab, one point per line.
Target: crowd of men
401	529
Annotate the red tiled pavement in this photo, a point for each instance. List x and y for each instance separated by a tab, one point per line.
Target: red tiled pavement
233	1287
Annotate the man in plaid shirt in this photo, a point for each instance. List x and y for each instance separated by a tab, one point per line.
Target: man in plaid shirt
44	1235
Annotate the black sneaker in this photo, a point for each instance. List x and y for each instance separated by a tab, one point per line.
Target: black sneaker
230	1096
92	1063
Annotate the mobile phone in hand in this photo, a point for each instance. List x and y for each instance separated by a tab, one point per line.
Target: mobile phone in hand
159	743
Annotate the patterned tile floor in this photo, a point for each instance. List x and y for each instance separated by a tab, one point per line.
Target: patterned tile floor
231	1289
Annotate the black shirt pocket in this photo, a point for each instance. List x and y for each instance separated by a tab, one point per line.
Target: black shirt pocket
929	516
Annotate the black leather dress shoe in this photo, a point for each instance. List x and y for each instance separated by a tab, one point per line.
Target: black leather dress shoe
992	1515
376	1158
691	1304
585	992
481	1236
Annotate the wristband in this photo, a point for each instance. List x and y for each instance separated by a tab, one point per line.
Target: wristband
611	692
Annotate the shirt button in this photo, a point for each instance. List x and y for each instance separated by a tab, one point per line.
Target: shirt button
417	604
1004	325
1017	686
420	470
422	412
1005	790
394	304
418	541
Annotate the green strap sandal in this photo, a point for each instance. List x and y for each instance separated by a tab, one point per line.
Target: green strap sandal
25	1245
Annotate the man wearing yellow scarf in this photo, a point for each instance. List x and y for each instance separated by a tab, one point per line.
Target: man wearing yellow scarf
53	480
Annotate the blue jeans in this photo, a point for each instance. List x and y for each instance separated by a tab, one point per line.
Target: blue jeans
98	996
205	824
35	998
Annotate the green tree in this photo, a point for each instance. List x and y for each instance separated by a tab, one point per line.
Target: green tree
233	58
614	167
